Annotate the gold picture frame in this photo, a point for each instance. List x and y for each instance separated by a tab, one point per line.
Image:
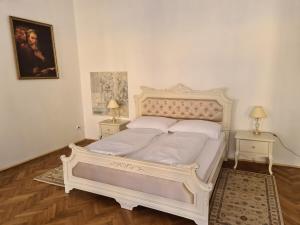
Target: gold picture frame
34	49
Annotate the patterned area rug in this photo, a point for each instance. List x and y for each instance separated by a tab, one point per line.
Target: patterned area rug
53	176
245	198
239	198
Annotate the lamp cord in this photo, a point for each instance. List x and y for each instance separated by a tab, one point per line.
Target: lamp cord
282	144
276	136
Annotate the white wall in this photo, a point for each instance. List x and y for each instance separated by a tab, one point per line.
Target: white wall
38	116
250	47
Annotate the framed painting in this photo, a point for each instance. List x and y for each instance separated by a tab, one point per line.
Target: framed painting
106	86
34	49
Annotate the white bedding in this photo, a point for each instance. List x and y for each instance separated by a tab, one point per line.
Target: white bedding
125	142
183	148
208	157
153	145
175	148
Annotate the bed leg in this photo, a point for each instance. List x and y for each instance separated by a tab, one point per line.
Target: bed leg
200	222
126	204
68	189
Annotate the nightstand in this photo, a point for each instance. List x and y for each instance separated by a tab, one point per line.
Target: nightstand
107	127
251	146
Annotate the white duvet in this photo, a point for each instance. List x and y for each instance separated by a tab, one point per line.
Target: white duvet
175	148
125	142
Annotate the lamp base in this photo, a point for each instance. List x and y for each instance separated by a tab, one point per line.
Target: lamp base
256	132
114	120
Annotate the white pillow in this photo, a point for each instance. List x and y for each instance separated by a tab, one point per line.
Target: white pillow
155	122
211	129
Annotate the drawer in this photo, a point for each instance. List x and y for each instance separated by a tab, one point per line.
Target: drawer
108	130
254	146
103	135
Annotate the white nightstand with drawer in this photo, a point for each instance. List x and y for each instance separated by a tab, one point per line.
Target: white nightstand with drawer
107	127
251	146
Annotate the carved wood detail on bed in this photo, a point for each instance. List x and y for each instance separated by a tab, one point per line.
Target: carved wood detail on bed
200	191
134	181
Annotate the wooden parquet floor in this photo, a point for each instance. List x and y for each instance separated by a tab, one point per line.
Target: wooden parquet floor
24	201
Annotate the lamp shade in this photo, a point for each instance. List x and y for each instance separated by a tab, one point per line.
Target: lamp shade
112	104
258	112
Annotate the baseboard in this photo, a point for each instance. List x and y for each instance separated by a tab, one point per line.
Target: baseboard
286	165
261	162
38	156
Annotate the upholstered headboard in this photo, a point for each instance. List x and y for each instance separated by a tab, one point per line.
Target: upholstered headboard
181	102
183	108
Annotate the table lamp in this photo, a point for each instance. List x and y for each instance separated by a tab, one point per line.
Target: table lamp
257	113
113	105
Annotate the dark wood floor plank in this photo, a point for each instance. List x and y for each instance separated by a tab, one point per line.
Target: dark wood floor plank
25	201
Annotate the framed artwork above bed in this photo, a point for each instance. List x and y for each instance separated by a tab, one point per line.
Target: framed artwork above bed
106	86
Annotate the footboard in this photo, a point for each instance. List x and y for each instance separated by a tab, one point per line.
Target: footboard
197	210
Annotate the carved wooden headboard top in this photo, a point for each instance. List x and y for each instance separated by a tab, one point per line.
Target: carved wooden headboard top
181	102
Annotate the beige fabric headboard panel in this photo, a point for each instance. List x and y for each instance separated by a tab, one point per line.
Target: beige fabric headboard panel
184	103
183	108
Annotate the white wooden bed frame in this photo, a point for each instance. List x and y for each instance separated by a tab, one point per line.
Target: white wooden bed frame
198	210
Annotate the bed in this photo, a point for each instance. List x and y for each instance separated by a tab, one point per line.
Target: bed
177	189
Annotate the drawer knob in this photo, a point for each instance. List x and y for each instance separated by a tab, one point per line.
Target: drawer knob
253	146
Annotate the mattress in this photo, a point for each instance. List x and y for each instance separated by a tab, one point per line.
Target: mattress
208	158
